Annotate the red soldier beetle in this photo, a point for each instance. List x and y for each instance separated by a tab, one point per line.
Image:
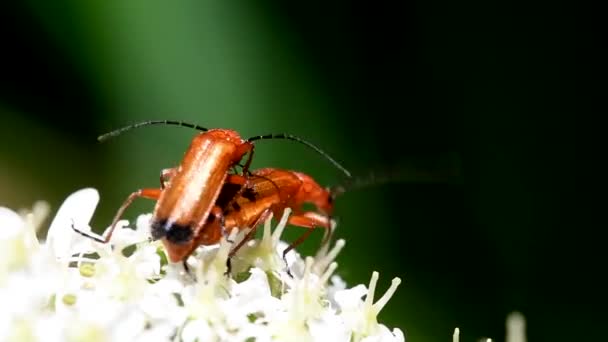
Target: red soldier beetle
269	191
189	192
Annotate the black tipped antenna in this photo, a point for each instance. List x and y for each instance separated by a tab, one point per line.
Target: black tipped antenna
119	131
303	142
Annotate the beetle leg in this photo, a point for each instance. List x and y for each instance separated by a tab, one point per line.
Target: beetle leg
263	217
166	175
218	215
228	266
209	233
246	147
237	179
310	221
244	185
328	231
152	194
250	234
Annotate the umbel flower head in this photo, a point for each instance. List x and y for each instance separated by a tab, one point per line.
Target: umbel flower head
71	288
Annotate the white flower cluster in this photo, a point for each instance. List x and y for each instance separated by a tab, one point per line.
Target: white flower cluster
70	288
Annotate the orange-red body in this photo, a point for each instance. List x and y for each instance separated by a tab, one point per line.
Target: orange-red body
189	192
274	190
269	191
189	196
200	198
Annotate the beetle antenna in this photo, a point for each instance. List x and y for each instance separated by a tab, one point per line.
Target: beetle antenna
372	178
400	174
121	130
306	143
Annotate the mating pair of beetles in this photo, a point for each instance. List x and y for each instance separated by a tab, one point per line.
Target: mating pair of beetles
203	198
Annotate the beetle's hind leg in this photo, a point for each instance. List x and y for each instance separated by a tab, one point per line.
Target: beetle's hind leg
152	194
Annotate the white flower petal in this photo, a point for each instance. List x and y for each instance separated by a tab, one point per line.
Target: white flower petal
197	330
78	210
385	335
329	327
10	223
95	292
350	299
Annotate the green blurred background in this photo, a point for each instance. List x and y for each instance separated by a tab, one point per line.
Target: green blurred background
468	103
